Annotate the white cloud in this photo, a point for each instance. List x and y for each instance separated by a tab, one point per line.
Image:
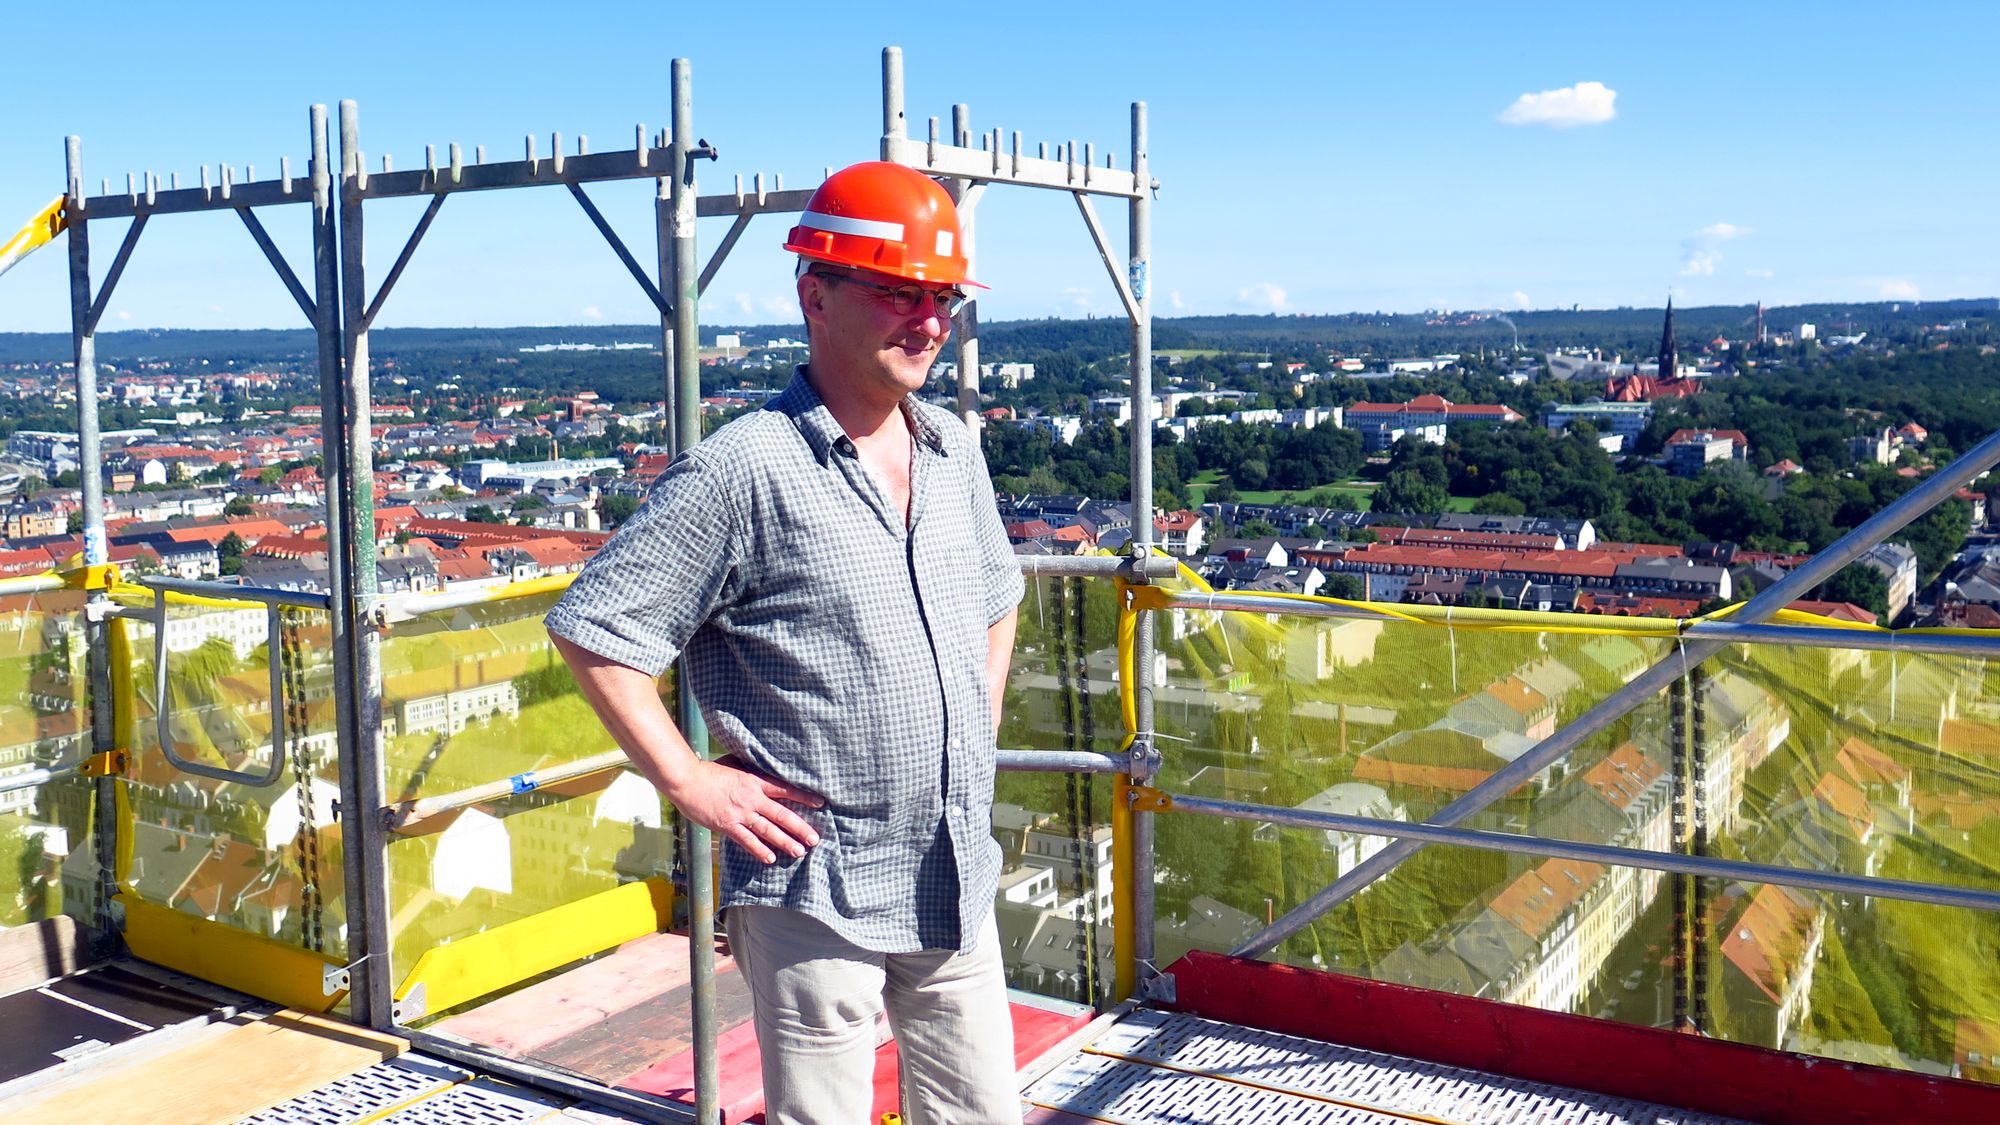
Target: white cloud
1900	289
786	306
1263	295
744	305
592	312
1586	103
1521	299
1079	300
123	315
215	308
1722	232
1700	252
1765	275
1174	301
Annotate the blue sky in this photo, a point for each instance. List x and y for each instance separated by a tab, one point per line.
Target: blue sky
1314	157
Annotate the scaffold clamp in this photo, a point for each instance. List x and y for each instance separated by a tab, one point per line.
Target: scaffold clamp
111	763
1144	757
1145	798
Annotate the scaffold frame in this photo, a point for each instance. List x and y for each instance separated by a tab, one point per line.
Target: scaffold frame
341	311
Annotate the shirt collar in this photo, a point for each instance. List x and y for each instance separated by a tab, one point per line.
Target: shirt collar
824	434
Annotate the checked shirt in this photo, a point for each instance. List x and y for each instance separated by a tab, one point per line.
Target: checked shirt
831	647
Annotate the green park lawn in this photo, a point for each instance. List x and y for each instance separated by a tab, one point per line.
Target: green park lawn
1354	490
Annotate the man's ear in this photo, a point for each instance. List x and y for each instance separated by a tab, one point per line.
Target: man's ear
812	296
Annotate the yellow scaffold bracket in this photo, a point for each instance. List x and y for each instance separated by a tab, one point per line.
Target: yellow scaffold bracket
1145	798
101	576
111	763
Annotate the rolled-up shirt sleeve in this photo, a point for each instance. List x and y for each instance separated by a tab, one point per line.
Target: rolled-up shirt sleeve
661	576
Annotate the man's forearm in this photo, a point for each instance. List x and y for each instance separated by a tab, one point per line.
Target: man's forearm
999	657
627	702
736	803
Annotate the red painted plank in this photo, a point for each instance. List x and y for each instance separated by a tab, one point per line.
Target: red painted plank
1036	1029
737	1065
1689	1071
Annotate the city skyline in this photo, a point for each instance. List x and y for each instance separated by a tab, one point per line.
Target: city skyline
1358	161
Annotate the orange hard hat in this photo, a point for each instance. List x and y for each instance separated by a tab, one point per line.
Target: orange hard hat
884	217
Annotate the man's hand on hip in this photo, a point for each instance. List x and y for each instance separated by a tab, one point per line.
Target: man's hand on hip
745	807
720	797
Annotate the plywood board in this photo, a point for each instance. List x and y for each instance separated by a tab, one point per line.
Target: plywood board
220	1078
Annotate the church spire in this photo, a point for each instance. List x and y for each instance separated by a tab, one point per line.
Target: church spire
1667	358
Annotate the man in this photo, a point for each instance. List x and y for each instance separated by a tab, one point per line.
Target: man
837	575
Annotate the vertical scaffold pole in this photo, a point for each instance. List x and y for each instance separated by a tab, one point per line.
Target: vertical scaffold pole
367	904
895	125
968	317
663	237
103	726
686	282
1139	269
326	326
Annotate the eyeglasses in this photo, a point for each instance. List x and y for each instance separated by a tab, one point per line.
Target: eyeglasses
906	299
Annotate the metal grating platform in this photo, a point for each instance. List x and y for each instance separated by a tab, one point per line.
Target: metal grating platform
1158	1067
365	1093
415	1090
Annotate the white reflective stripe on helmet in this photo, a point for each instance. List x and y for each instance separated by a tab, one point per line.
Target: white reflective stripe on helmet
842	224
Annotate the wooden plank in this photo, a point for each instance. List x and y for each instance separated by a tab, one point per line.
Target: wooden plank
636	1039
1043	1115
33	954
523	1021
221	1078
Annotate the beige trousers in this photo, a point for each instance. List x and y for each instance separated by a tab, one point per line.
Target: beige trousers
816	999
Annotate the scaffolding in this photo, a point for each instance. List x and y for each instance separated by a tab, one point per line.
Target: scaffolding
341	309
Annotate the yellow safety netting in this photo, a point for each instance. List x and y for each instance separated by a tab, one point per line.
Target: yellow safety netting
1868	762
39	232
1864	762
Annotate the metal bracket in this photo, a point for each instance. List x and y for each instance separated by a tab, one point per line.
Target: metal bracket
411	1006
111	763
334	980
1145	758
1145	798
1160	988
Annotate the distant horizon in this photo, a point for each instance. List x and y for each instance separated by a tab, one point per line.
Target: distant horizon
602	326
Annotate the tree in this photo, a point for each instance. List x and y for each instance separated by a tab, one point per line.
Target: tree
1499	504
270	475
1345	586
1407	490
481	513
76	521
1861	584
615	510
237	506
229	552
